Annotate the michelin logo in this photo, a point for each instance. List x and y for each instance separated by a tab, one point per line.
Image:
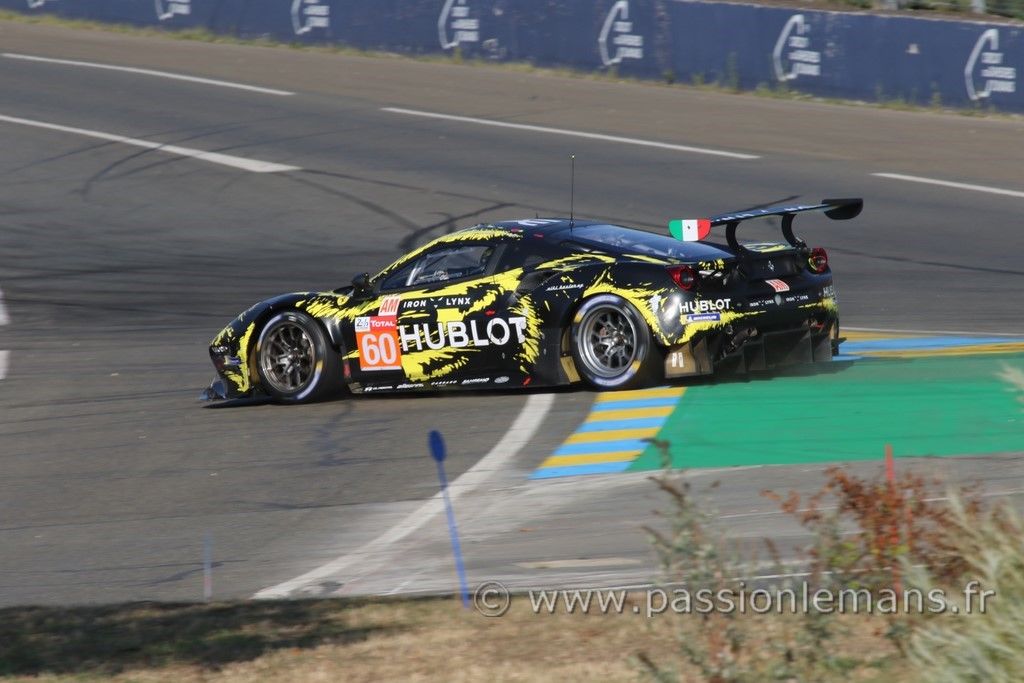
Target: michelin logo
618	31
310	14
703	317
803	61
993	76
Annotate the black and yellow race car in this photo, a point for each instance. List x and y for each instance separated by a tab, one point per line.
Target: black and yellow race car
542	302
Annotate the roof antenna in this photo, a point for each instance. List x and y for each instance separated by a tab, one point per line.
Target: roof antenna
572	193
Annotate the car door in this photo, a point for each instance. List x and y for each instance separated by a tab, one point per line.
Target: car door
439	321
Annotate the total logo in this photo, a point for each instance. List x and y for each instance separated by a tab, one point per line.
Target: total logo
455	22
457	334
168	9
310	14
985	72
793	56
617	40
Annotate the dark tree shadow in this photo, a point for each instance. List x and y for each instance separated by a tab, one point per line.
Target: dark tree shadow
110	639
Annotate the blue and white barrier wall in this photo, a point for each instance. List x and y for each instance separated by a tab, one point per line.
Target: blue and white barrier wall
831	54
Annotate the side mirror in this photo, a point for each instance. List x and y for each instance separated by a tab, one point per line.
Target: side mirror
361	283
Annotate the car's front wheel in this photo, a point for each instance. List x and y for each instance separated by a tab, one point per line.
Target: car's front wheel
294	361
612	345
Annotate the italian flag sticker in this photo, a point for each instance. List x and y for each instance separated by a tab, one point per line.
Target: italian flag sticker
690	230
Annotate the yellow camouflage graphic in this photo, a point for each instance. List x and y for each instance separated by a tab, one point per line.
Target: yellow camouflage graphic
569	263
638	294
429	364
530	350
239	375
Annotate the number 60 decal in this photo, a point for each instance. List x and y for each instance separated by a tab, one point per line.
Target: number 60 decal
377	340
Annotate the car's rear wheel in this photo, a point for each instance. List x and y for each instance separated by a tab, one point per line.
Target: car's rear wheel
294	361
612	345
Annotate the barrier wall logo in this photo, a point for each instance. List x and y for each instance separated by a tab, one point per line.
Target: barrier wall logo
168	9
986	72
793	56
36	4
455	25
617	40
308	15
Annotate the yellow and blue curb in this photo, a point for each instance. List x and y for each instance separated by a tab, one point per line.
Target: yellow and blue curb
614	433
907	346
621	423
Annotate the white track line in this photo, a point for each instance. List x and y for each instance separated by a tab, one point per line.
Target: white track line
517	436
4	356
572	133
949	183
4	318
253	165
150	72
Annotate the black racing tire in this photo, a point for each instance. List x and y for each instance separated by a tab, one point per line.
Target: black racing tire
294	360
612	345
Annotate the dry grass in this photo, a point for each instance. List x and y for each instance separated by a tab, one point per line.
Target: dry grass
356	640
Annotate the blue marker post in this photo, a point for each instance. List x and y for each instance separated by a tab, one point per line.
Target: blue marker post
438	453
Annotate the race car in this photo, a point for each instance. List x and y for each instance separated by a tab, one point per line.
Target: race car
544	302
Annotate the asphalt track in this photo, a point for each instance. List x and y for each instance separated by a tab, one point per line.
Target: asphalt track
118	263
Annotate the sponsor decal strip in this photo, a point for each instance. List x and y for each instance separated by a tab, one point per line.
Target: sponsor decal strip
572	133
252	165
615	433
150	72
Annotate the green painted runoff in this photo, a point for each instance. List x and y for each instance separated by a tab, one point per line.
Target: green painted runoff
950	405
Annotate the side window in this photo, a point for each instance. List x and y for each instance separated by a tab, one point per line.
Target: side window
441	265
399	278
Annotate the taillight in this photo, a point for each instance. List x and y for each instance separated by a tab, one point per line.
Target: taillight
817	260
684	276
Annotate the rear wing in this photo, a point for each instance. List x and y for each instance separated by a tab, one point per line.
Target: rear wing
698	229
